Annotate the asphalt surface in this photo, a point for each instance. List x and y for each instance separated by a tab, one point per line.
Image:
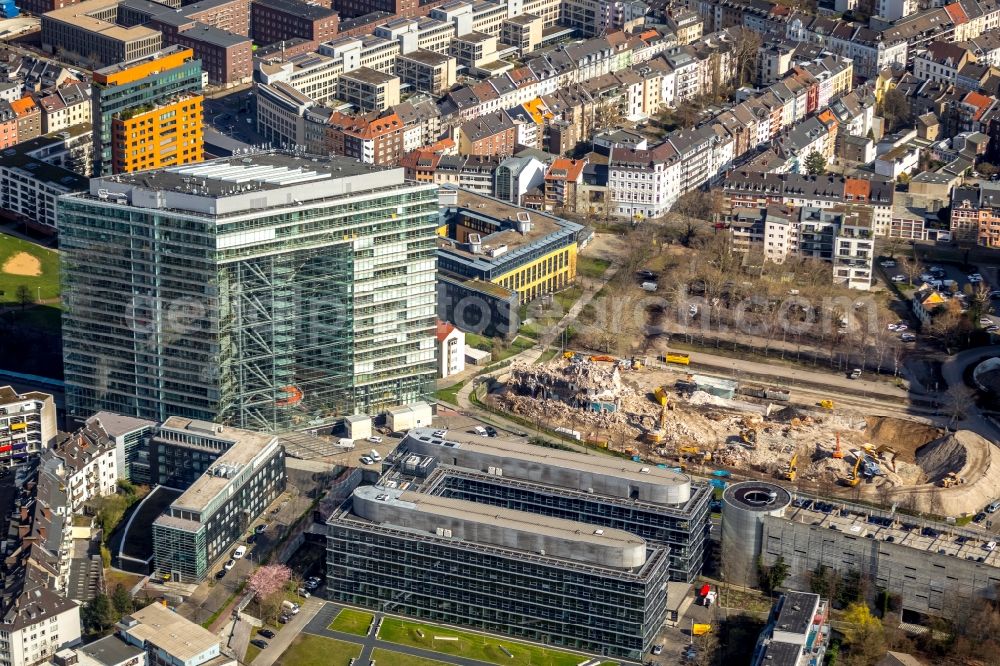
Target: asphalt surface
277	645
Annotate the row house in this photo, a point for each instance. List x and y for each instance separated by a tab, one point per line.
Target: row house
870	51
985	47
372	138
941	61
754	189
975	214
643	184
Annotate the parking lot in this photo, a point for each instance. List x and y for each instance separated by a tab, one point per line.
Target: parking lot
947	278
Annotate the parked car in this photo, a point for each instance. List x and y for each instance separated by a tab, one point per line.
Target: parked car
985	321
260	528
901	326
908	337
995	293
365	460
888	263
304	593
239	552
220	574
491	431
375	439
259	643
657	649
251	539
979	517
899	278
284	618
229	565
266	633
892	327
855	373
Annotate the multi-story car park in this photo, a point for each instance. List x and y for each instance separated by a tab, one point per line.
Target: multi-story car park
542	493
936	569
27	424
246	473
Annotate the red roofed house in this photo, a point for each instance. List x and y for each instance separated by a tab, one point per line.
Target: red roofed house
29	118
561	182
451	349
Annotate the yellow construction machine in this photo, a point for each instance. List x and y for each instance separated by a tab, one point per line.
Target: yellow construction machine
855	476
826	404
951	479
790	470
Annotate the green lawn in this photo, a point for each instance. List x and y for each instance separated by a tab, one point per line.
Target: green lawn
312	650
399	659
252	652
517	345
450	393
567	297
45	285
473	646
352	621
478	341
591	267
547	355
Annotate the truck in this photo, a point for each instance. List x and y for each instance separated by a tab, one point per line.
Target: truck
345	443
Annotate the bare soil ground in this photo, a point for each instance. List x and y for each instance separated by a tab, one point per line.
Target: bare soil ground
23	263
921	455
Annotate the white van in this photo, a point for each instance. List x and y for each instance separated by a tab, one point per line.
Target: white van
345	443
991	546
239	552
992	508
480	430
373	454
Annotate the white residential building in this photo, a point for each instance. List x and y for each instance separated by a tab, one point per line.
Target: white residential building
451	349
643	183
37	625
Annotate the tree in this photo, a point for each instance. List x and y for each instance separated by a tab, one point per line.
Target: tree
121	600
986	169
24	295
774	576
911	268
863	635
815	164
745	48
896	110
268	579
98	615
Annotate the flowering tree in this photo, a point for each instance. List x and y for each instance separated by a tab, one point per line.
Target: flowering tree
268	579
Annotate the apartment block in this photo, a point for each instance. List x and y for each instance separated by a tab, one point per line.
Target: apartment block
148	112
27	424
426	71
274	20
168	638
69	105
797	631
368	89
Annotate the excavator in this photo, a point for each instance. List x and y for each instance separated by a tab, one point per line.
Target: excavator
655	437
855	476
791	469
694	451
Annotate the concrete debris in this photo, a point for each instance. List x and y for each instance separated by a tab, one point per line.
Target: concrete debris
617	409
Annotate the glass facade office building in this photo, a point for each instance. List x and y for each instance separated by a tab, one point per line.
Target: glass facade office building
566	592
265	292
217	506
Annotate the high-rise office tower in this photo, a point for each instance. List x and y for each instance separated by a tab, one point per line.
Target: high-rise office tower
266	292
147	113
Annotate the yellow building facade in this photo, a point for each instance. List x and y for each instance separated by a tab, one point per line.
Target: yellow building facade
169	134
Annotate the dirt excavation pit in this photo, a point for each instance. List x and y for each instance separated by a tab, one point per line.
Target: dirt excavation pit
611	404
24	264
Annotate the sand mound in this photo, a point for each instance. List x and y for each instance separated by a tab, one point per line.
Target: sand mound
904	436
23	263
943	455
972	458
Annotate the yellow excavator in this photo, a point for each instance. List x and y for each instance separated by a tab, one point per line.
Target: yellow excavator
951	479
855	476
694	451
791	469
655	437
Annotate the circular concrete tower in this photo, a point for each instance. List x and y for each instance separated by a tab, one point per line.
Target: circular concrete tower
744	506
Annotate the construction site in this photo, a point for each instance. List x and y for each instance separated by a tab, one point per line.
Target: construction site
701	424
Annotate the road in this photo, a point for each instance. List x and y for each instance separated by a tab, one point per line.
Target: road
953	370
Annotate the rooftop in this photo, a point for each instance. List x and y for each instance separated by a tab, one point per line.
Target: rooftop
169	631
598	474
298	8
110	650
425	57
370	76
796	614
9	395
79	15
518	530
244	447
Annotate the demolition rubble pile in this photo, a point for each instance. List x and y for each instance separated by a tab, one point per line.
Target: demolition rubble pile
612	405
